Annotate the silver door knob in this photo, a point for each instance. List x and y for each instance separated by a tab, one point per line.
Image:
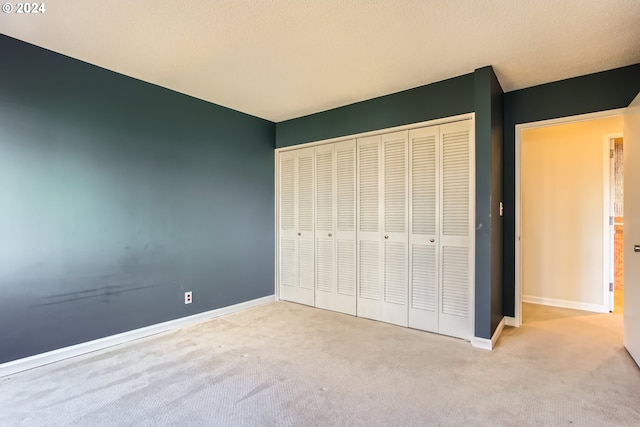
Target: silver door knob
432	240
386	237
330	234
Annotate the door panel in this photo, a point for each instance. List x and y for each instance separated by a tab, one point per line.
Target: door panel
345	233
326	286
369	257
455	237
395	236
288	256
296	207
424	223
306	253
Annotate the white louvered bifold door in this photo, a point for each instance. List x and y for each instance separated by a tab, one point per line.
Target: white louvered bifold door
336	227
288	226
369	249
423	226
382	227
456	251
306	241
345	234
296	222
395	283
325	191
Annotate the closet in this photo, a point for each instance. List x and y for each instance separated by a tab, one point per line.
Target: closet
381	227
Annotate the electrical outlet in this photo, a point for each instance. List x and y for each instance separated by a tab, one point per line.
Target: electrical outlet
188	297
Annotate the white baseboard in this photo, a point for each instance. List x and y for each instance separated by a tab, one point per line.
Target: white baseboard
511	321
19	365
489	344
576	305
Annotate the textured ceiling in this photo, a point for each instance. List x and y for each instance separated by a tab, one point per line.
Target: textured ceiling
280	59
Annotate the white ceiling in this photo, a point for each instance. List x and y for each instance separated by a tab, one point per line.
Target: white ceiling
280	59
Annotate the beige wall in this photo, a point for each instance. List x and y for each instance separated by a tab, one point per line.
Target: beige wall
562	213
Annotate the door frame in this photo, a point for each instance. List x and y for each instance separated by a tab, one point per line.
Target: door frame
517	319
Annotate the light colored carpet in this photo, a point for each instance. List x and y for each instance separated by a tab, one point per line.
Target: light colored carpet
286	364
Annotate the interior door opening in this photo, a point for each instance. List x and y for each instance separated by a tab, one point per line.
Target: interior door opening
566	185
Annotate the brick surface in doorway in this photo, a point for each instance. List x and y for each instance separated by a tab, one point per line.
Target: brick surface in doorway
618	254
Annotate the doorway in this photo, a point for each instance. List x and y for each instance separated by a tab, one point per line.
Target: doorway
563	233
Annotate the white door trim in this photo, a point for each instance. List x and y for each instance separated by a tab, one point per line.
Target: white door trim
518	196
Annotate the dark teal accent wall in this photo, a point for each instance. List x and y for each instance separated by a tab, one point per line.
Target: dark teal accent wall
488	254
602	91
497	196
459	95
442	99
116	197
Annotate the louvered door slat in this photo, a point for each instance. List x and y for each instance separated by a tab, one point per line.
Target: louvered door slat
368	167
288	263
306	273
347	268
455	281
346	188
305	193
369	274
287	194
424	292
325	273
395	273
423	185
395	178
455	183
324	190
